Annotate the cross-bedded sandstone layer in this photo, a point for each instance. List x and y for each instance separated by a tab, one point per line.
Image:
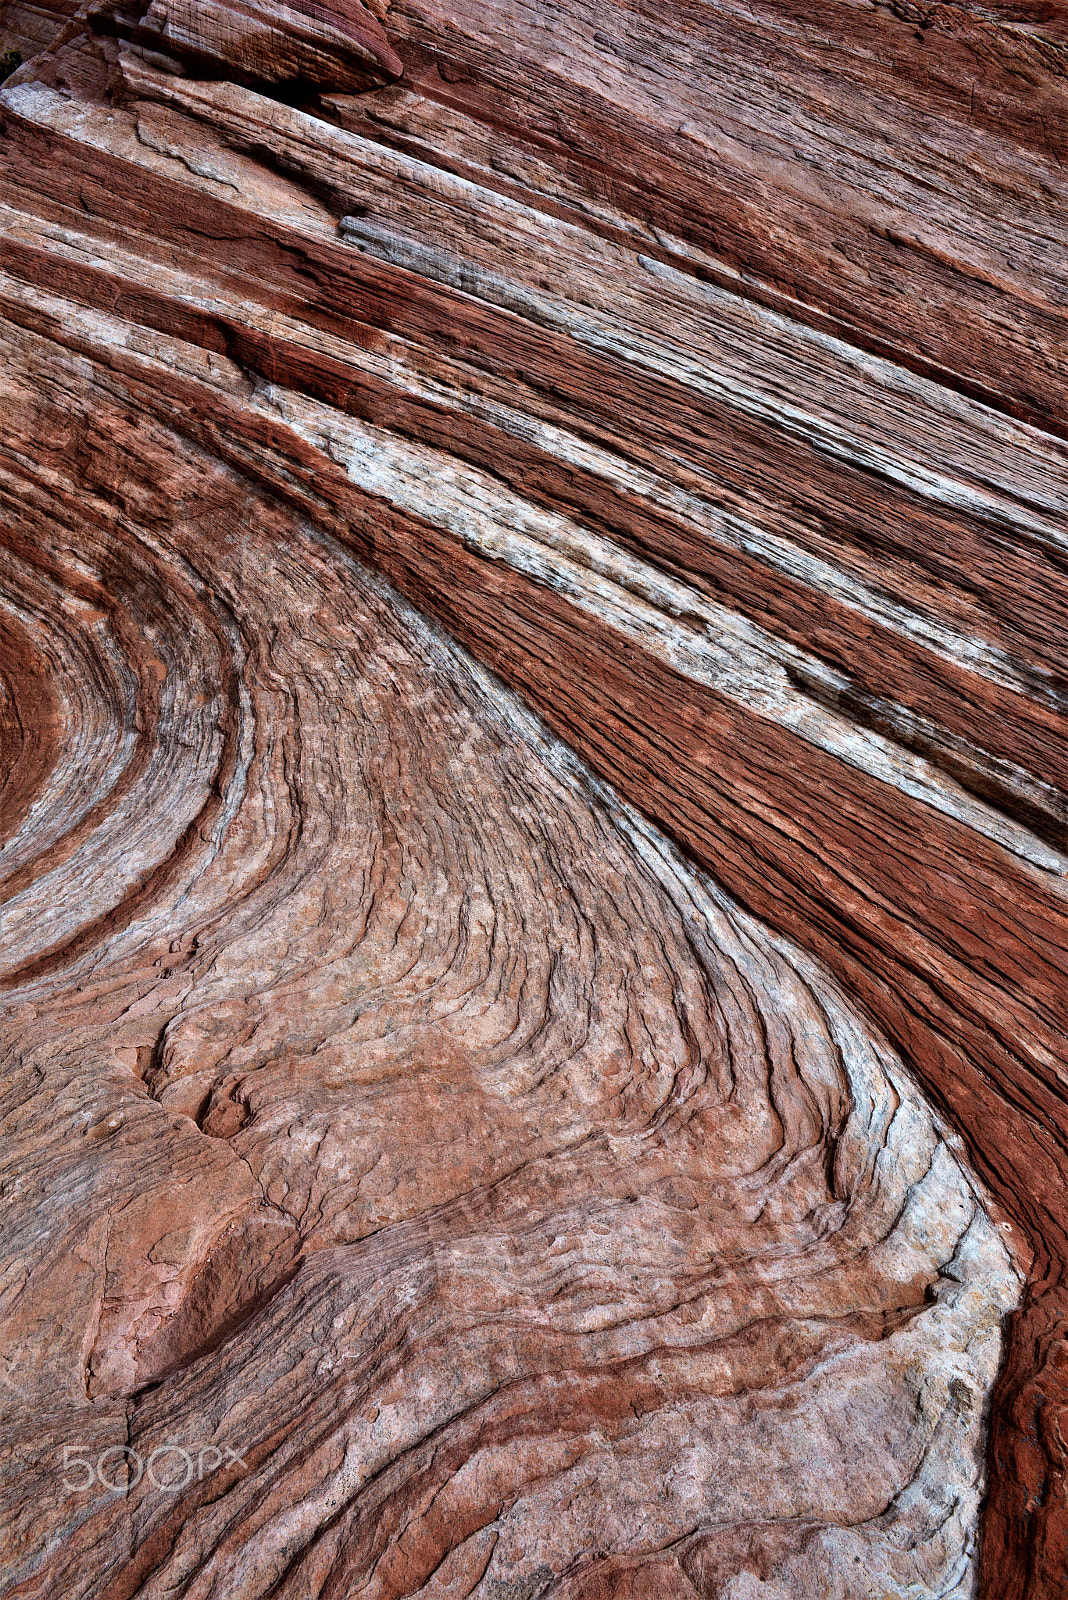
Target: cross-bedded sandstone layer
406	1113
389	1104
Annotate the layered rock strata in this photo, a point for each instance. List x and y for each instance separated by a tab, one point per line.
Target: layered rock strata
414	1123
389	1103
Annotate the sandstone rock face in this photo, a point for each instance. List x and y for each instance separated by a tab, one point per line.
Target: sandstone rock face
339	46
534	853
429	1133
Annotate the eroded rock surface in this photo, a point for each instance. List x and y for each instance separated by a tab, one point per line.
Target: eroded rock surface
417	1124
395	1120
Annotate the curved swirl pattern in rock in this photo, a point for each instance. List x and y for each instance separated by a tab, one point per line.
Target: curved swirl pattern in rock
408	1117
701	371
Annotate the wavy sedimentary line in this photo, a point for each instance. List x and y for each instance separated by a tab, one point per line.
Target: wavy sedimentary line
838	179
869	412
34	632
871	749
691	510
923	626
28	725
123	812
396	364
494	247
705	642
1005	513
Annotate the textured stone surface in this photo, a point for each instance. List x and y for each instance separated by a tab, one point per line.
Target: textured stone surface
387	1102
566	1218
